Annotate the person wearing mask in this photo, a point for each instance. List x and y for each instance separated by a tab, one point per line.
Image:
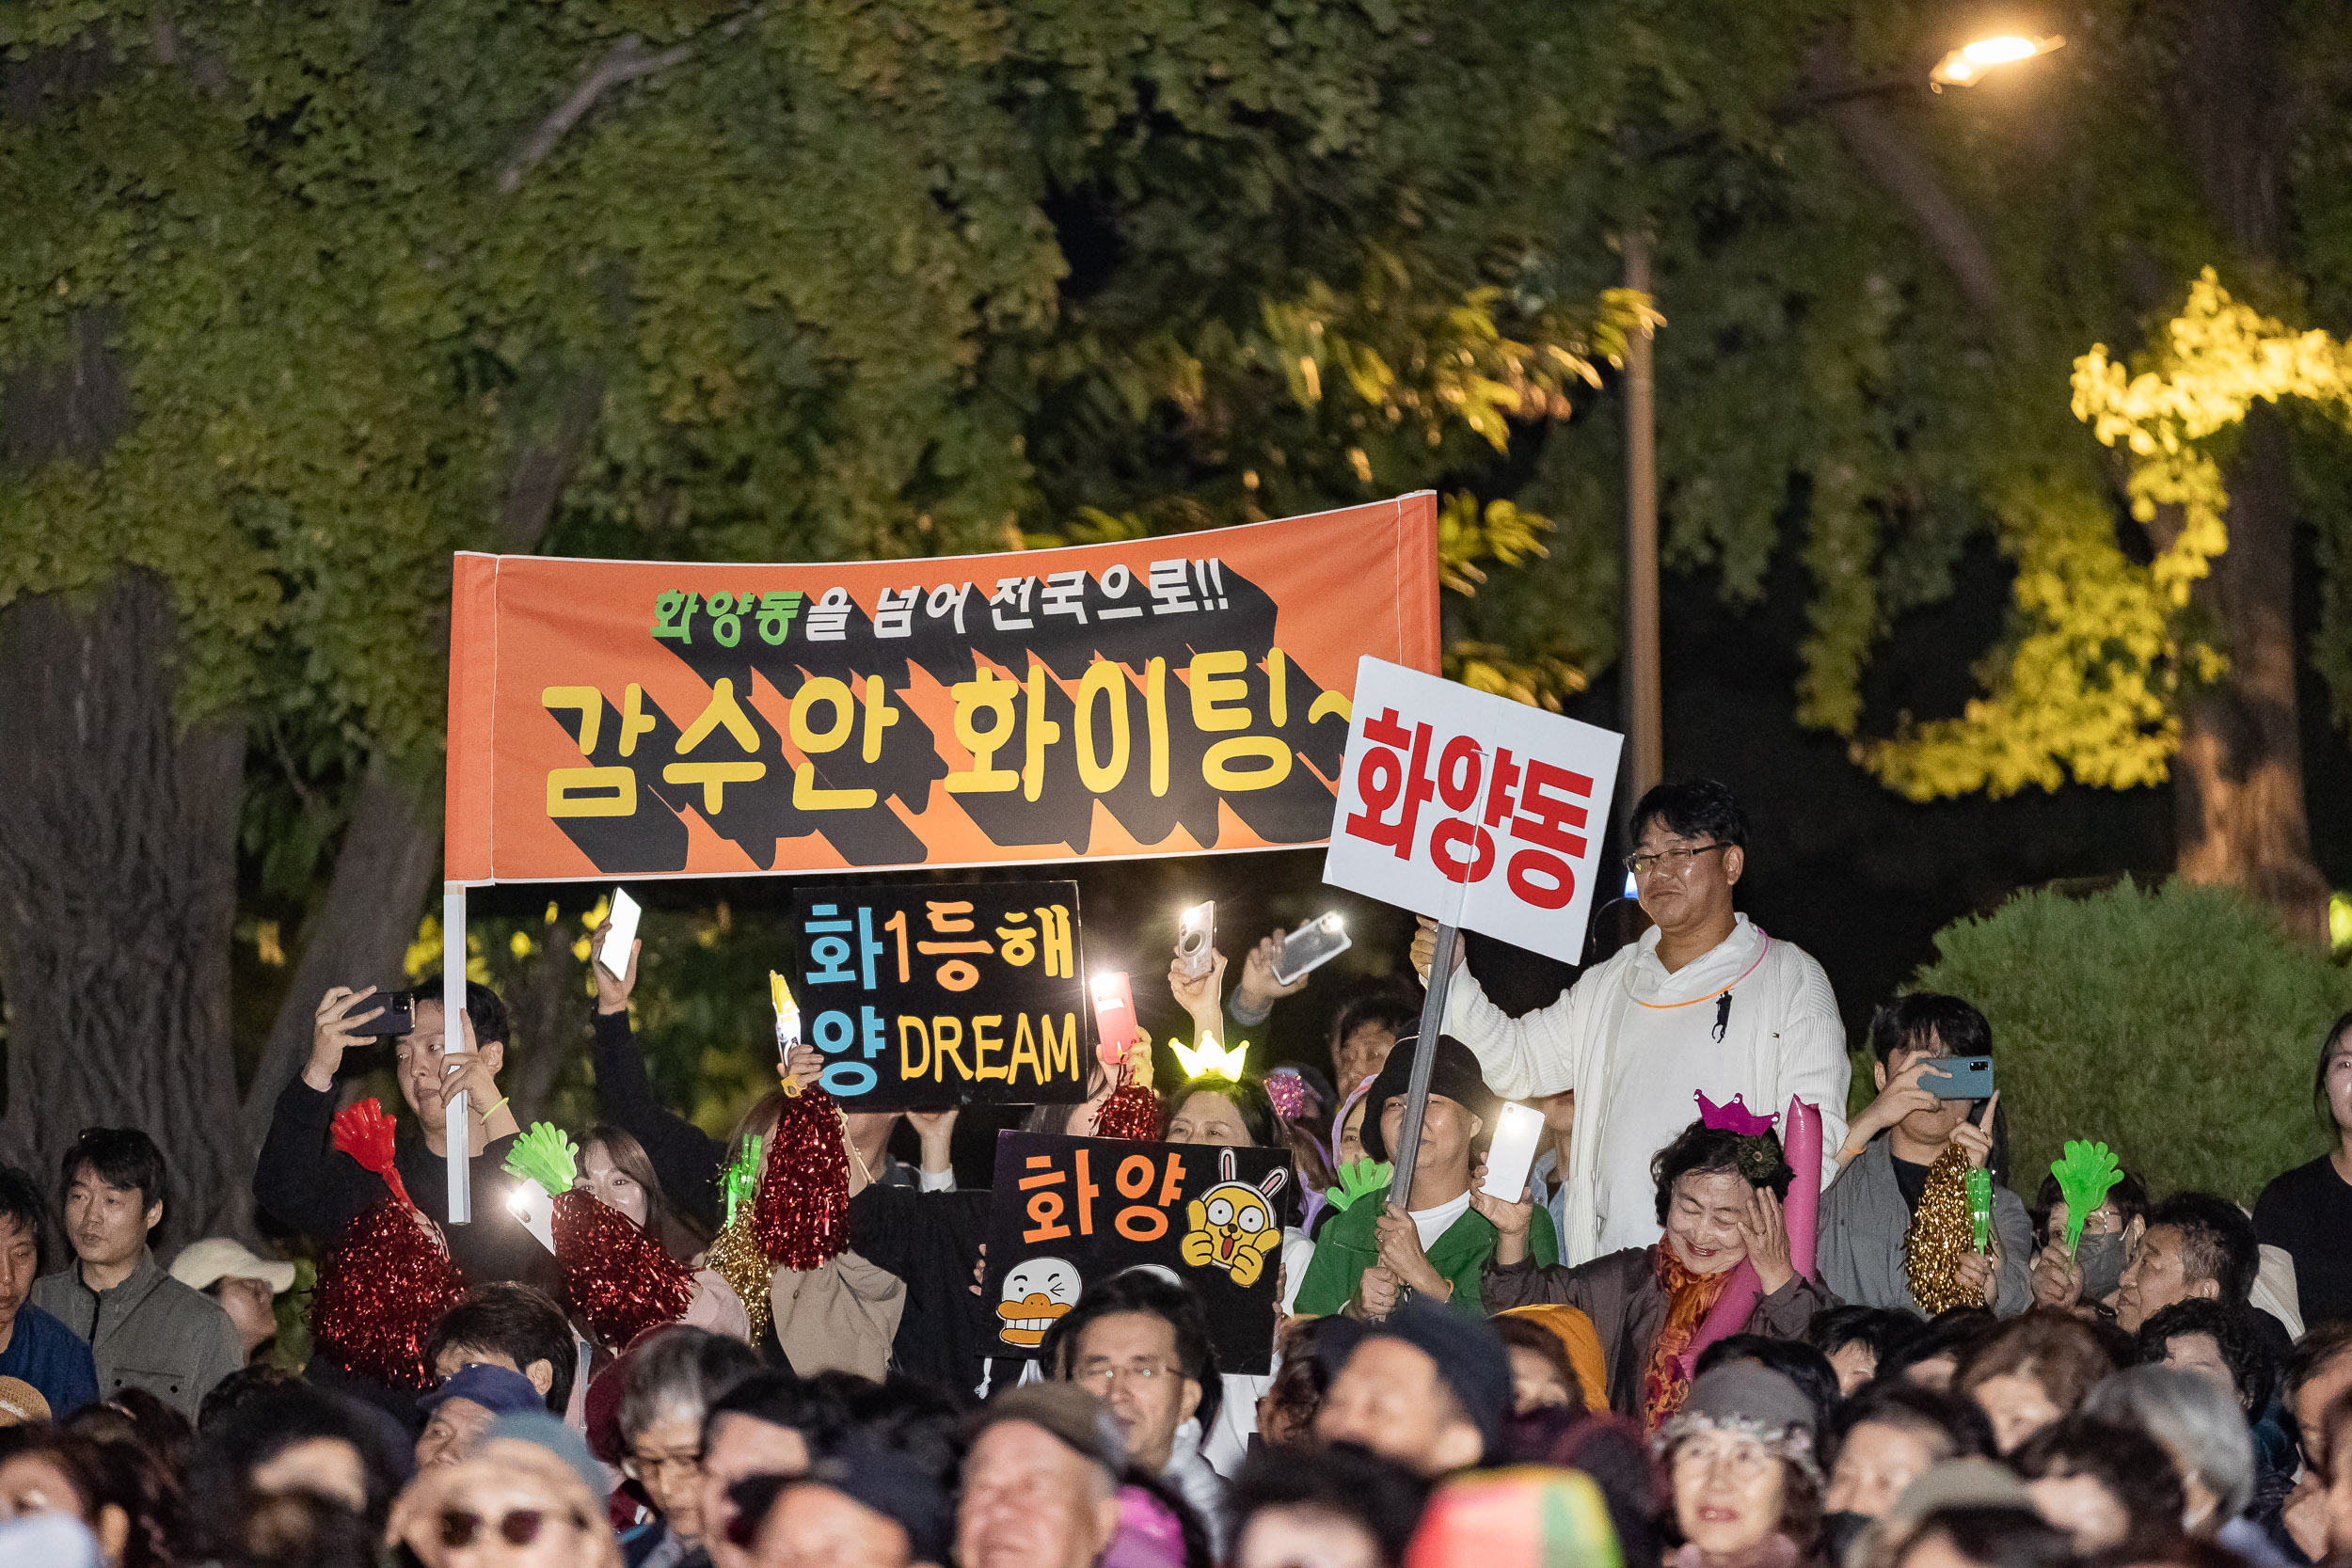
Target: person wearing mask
461	1409
670	1381
2088	1279
145	1329
2202	1430
1542	1375
2109	1487
305	1184
1891	1146
47	1470
1740	1456
769	1424
1425	1387
2030	1374
2308	1211
1717	1195
2196	1245
1888	1438
1140	1342
1042	1472
1370	1254
35	1347
247	1287
1704	1003
515	1327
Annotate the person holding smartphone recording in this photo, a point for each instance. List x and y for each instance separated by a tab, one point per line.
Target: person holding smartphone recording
1891	1146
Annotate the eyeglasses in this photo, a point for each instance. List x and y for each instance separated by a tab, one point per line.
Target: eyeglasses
518	1527
1674	860
1741	1461
1100	1379
640	1467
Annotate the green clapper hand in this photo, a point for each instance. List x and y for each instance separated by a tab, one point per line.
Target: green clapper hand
743	1174
1980	1210
544	1155
2086	1172
1357	1178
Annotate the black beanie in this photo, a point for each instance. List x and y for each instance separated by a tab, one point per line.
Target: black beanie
1452	1072
1470	1357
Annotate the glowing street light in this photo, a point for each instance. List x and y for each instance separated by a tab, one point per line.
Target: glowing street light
1971	62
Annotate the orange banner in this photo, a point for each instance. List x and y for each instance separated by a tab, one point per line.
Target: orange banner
1169	696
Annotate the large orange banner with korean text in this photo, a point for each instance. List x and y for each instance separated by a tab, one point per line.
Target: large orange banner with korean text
1169	696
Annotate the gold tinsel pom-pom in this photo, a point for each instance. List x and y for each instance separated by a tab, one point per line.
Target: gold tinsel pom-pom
1941	1231
735	1258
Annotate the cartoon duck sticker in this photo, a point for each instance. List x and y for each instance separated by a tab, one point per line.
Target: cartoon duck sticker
1037	1290
1233	1225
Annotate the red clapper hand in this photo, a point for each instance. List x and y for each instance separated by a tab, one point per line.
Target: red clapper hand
363	1131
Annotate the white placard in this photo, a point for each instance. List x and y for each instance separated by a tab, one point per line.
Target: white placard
1472	809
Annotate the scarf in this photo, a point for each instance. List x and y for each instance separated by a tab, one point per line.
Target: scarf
1940	1231
1688	1298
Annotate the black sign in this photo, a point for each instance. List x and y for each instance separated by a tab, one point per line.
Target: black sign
1069	1213
926	996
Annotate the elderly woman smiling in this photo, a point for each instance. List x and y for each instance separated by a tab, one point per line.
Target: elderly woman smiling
1746	1491
1719	1199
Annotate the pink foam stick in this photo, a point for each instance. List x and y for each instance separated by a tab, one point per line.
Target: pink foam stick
1729	1315
1802	1131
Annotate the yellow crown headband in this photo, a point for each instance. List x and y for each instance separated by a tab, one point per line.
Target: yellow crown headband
1211	1060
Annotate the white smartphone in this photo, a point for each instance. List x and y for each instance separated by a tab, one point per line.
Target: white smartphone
1195	939
1518	1131
613	955
1310	948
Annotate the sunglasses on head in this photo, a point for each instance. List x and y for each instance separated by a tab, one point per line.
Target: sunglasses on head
518	1527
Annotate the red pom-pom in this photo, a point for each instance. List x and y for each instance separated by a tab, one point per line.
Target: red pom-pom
363	1131
388	1281
1131	1112
801	1214
617	1277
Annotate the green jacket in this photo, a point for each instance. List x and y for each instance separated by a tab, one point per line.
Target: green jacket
1348	1245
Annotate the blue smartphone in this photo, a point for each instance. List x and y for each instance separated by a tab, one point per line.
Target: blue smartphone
1964	1078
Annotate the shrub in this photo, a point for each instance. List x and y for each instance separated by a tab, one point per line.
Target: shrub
2180	1026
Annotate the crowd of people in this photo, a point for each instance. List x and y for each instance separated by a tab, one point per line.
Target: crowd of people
1720	1325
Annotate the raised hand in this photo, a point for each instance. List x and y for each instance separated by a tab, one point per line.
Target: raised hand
937	1128
1258	984
1902	1095
2057	1281
1766	1230
1425	948
612	992
1202	996
1976	1141
334	1029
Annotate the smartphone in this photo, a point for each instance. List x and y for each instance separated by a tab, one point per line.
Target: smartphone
1518	1131
1195	939
398	1017
1968	1078
613	955
1113	1016
1310	948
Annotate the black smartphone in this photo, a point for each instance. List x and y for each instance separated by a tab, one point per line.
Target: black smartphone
398	1017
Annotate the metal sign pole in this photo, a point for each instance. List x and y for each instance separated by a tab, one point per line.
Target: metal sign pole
1408	1150
457	1120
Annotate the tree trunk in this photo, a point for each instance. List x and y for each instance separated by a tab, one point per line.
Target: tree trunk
118	891
548	1014
385	869
2238	782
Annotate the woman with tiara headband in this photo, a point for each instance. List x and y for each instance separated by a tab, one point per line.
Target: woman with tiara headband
1718	1186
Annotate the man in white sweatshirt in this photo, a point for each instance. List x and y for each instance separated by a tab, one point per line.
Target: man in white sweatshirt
1704	1003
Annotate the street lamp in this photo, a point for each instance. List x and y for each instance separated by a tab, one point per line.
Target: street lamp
1965	66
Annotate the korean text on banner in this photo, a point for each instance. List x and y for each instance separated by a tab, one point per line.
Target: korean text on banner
1472	809
928	996
1071	1212
1152	697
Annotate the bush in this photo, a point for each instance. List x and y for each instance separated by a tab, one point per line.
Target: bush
2180	1026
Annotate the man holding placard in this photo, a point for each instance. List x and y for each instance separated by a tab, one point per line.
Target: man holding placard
1703	1002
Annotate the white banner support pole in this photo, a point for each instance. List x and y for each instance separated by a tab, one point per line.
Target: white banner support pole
457	1120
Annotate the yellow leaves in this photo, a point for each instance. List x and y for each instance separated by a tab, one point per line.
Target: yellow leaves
1541	682
1466	533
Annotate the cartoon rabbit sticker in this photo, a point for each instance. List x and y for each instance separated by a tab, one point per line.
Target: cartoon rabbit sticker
1233	1224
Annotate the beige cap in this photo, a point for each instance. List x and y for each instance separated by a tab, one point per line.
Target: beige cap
202	1264
20	1403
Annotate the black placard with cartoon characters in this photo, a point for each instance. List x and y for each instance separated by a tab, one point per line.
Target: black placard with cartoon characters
928	996
1069	1213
